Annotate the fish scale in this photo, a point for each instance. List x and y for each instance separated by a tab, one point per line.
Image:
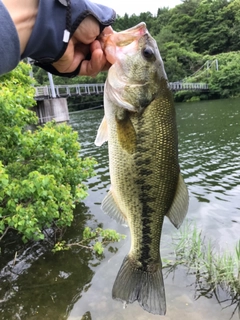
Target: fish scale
152	192
146	184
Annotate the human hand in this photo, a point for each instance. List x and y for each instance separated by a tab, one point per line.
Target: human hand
83	42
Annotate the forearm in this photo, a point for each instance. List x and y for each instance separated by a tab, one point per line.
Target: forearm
9	44
23	14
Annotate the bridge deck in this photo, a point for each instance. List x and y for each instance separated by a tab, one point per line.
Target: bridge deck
64	91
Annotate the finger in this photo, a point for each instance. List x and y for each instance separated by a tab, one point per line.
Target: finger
97	62
107	30
87	31
72	57
94	66
63	64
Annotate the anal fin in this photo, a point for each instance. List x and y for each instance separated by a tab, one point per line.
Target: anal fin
179	207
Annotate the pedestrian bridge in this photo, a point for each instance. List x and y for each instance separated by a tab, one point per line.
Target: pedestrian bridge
73	90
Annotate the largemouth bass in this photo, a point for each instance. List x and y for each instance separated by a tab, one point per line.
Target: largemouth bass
146	184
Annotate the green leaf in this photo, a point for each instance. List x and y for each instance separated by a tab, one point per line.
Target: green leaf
98	248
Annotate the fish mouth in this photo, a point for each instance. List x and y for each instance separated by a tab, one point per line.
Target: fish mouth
124	37
132	34
114	42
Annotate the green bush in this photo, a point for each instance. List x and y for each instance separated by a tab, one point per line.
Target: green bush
41	173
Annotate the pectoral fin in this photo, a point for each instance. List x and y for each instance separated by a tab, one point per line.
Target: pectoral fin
110	207
179	207
102	134
125	131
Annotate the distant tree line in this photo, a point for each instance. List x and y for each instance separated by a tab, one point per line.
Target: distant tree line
193	34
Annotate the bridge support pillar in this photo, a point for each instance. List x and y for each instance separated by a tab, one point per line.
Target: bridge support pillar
52	109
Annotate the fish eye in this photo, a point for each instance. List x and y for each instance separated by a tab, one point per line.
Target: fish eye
148	53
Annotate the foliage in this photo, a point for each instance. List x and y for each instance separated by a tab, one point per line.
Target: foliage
94	240
225	81
41	173
178	61
210	25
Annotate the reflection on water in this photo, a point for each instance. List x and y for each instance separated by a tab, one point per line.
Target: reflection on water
209	147
40	285
74	285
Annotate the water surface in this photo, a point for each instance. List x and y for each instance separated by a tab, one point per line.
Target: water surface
75	285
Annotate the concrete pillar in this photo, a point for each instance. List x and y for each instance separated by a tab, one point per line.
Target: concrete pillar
52	109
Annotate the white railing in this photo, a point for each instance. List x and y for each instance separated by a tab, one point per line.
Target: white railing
45	92
72	90
176	86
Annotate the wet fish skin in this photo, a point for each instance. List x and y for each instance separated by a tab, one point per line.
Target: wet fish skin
146	184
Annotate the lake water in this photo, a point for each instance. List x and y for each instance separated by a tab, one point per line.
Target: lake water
75	285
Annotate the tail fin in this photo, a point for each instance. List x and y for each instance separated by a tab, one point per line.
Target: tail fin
146	287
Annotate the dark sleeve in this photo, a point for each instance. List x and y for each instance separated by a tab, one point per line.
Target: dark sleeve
56	22
9	42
